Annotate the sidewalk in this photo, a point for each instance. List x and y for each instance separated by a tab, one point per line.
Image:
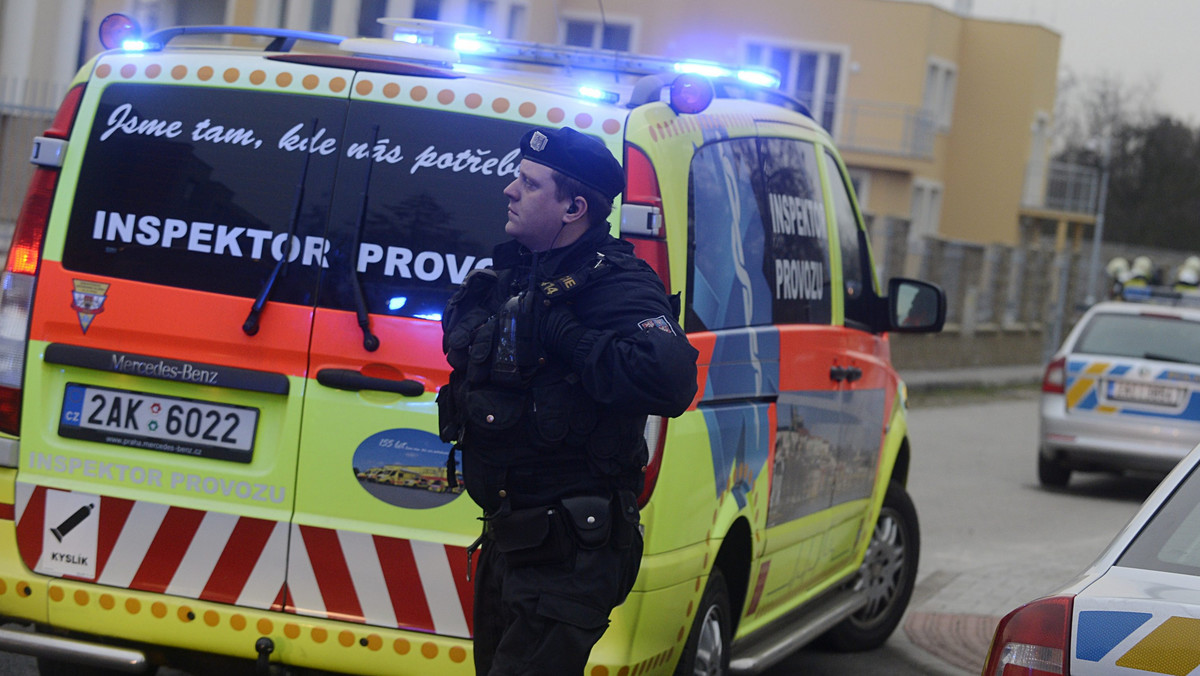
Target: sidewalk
980	376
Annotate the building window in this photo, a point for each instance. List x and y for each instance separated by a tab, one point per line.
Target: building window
940	79
369	13
579	32
811	74
426	9
480	12
516	22
926	209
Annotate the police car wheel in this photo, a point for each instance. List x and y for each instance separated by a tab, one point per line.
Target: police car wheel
1052	473
706	652
886	577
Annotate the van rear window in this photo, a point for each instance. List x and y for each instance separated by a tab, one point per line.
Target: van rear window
199	188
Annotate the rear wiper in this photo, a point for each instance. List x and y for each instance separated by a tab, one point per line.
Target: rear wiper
1163	357
370	342
250	326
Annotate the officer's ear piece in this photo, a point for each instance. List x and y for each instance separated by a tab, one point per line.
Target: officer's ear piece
573	208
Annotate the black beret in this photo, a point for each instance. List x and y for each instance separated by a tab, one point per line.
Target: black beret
577	155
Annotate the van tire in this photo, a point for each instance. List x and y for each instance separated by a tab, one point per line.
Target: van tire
888	575
1052	473
706	652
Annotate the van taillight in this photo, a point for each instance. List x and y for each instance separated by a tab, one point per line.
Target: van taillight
656	437
20	271
641	213
1033	640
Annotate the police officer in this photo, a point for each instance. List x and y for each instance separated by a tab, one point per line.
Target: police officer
558	354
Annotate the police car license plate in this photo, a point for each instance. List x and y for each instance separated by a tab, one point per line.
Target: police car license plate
1144	393
158	423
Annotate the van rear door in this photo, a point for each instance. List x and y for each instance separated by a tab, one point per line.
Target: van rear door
380	535
160	434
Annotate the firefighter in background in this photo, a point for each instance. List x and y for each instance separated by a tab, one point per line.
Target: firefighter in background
1141	273
1187	278
558	354
1118	274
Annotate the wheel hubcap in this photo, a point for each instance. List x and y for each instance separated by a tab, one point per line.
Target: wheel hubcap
882	569
710	647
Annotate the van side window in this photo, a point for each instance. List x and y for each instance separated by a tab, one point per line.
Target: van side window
728	282
856	260
798	266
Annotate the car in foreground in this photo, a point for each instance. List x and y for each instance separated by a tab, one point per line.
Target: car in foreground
1123	391
1136	610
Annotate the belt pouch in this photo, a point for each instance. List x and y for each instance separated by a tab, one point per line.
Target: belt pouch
531	537
591	519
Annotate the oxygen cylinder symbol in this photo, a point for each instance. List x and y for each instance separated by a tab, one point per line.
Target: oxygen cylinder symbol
71	521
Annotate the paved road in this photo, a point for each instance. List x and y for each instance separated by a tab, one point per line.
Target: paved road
992	539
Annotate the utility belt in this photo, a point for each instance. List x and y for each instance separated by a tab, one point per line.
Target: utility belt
552	534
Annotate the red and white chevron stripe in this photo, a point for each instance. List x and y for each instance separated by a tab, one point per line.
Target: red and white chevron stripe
256	563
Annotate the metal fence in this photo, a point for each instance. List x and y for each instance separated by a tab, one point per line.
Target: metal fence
886	129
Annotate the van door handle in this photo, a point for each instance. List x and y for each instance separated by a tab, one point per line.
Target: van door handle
844	373
353	381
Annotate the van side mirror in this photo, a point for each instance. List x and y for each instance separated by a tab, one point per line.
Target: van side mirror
915	306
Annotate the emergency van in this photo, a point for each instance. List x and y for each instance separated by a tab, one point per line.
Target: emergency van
220	349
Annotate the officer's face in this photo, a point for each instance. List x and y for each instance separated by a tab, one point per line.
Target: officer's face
535	214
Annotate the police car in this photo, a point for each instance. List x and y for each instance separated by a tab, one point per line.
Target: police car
221	349
1123	391
1133	612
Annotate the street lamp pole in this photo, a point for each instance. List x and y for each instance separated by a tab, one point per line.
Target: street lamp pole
1098	234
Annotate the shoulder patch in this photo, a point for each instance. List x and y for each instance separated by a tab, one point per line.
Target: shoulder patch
660	322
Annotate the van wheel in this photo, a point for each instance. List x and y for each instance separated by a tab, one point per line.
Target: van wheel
887	576
1052	473
706	652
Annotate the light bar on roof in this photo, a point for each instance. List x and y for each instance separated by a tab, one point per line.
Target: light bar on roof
470	43
759	78
597	94
702	68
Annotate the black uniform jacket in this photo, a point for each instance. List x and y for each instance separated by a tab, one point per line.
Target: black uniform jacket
573	421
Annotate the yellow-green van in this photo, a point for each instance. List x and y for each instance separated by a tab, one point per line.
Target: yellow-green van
220	350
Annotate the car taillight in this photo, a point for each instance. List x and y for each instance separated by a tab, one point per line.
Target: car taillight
1033	640
1055	379
20	271
641	214
656	437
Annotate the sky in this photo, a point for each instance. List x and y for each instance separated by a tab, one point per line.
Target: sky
1134	40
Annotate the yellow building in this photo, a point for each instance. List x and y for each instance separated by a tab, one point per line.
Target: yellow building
943	118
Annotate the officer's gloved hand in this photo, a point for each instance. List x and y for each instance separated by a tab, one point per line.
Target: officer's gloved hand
559	331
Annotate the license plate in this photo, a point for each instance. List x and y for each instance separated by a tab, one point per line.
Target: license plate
158	423
1145	393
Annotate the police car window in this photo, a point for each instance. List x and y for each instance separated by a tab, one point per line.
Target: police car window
728	282
1141	337
856	270
798	249
1170	541
198	188
434	209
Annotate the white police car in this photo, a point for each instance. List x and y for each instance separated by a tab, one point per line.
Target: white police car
1123	391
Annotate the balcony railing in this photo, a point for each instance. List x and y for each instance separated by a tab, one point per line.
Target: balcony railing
1068	187
887	129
